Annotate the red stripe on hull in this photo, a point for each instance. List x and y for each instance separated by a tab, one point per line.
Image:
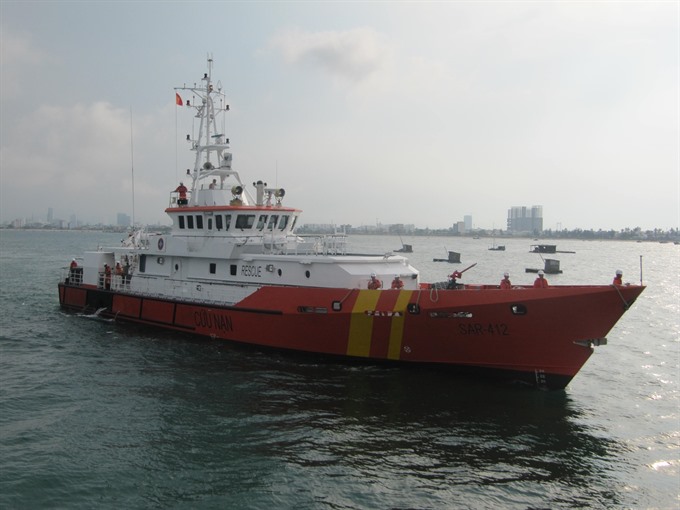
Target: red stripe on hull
461	328
129	306
73	296
158	311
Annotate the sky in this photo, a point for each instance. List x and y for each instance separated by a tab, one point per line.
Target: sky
365	112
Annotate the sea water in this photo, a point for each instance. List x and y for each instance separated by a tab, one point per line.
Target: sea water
97	414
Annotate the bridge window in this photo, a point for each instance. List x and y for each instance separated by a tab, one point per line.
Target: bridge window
218	222
227	223
199	221
244	221
284	222
213	268
181	221
272	222
261	222
190	222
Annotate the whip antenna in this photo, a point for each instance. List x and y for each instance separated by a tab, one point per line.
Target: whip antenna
132	167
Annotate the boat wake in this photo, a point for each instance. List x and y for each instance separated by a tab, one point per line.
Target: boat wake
96	315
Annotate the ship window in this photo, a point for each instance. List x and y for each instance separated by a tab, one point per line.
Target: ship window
261	221
284	222
190	222
227	223
213	268
199	221
245	221
181	221
142	263
209	223
232	269
294	222
218	222
272	222
518	309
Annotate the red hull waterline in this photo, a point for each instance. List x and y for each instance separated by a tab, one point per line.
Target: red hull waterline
541	337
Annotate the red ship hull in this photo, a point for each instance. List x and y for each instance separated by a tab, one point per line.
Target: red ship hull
538	336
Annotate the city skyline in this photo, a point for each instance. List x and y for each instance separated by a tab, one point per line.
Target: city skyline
464	225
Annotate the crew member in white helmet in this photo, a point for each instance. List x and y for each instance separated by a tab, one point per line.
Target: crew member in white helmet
374	283
618	279
541	282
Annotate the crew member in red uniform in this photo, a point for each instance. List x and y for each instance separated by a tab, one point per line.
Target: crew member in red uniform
397	283
73	272
374	283
541	282
182	190
107	277
505	282
618	279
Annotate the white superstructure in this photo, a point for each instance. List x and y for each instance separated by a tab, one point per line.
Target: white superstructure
225	242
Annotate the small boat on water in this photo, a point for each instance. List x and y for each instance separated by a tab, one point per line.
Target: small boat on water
405	248
453	258
550	266
233	268
546	248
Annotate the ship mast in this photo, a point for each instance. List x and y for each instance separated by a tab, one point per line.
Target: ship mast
213	158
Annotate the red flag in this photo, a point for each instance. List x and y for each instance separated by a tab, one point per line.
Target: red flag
178	100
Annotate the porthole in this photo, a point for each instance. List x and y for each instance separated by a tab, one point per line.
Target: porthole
307	274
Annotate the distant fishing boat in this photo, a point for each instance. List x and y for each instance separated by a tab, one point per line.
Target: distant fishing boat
405	248
546	248
551	266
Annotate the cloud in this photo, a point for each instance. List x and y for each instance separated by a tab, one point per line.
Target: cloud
353	54
79	161
19	55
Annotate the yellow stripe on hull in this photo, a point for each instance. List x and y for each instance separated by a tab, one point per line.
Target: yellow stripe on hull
397	331
361	324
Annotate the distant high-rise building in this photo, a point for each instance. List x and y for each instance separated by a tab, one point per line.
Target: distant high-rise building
123	220
467	219
50	215
459	227
525	219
